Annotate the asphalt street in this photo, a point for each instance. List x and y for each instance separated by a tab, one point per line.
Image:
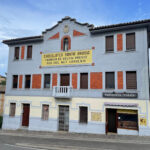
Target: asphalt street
23	141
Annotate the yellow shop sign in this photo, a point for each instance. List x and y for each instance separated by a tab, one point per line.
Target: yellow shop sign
143	120
67	58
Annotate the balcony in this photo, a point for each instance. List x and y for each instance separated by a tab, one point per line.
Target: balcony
62	91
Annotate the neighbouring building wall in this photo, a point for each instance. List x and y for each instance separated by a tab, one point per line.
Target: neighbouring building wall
2	79
2	95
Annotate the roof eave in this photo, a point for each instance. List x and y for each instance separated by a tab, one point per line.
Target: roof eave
23	41
125	27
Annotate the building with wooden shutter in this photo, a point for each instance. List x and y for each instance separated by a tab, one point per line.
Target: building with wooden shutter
79	78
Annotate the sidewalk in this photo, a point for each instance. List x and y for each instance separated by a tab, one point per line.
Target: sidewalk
78	136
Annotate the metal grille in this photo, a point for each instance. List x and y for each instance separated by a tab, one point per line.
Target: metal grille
63	118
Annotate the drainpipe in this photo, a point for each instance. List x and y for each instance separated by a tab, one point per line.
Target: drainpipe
147	101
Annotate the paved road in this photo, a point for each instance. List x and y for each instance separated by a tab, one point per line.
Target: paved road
26	142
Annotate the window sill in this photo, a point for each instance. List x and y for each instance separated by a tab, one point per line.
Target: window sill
45	120
127	128
14	88
11	116
15	59
109	52
132	89
83	123
27	88
28	59
47	88
130	50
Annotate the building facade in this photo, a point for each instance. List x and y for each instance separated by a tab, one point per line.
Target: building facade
2	93
2	96
79	78
2	79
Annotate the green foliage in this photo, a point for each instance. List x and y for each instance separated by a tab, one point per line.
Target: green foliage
3	83
1	121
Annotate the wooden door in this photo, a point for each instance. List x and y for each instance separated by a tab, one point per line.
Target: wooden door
111	120
25	115
64	80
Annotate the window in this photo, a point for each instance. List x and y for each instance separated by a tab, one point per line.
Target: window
65	44
109	43
16	55
128	121
27	81
83	115
12	109
110	80
15	81
131	82
130	41
84	81
29	52
47	78
45	112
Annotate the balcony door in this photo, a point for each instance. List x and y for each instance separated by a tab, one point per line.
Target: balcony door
64	80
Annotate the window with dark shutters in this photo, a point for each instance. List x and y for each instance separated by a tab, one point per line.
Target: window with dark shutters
83	115
45	112
12	109
131	82
16	55
130	41
47	78
27	81
110	80
29	52
15	81
109	43
84	81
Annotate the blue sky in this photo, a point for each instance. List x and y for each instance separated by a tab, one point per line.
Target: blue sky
20	18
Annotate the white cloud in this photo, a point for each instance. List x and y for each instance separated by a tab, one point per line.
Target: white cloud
31	17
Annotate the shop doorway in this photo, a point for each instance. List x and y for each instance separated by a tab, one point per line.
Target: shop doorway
25	115
63	118
111	121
